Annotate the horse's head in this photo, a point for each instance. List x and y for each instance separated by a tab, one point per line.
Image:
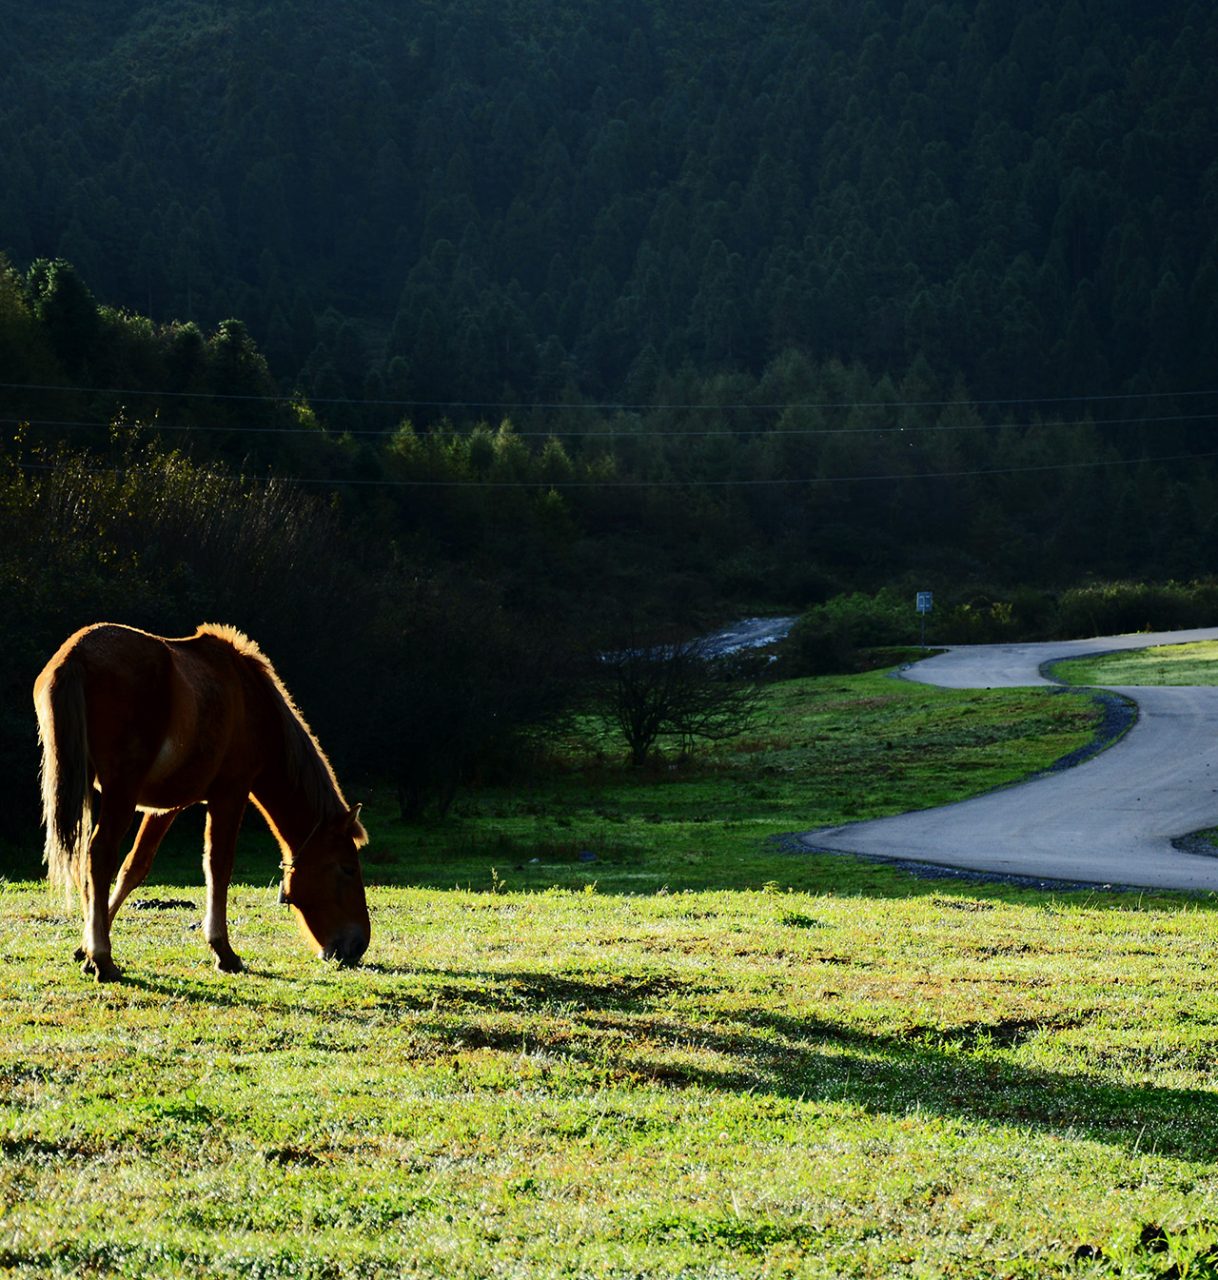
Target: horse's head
324	886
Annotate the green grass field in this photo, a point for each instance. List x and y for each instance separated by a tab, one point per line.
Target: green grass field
694	1055
1185	664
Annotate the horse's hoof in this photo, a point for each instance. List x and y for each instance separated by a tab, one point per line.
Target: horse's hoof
78	955
230	963
102	970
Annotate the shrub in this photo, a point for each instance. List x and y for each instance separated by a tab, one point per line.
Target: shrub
1117	608
826	638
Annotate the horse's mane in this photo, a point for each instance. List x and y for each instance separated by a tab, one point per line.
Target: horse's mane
307	764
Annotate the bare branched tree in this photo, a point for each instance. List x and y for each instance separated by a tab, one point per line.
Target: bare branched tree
680	690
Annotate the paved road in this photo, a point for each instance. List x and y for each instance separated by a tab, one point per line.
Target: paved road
1109	821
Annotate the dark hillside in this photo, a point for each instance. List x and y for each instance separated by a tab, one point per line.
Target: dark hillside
519	202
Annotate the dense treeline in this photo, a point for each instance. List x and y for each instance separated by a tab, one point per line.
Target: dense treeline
859	631
417	679
858	481
541	201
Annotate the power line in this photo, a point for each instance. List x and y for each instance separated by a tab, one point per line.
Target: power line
611	434
615	405
337	482
814	480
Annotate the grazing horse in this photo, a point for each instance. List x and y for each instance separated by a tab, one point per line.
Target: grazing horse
156	725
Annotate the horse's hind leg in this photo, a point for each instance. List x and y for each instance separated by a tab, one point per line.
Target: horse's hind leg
101	859
224	816
139	861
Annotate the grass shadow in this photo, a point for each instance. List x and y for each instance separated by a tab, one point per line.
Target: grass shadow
663	1029
963	1072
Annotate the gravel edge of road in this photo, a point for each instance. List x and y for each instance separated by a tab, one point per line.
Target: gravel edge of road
791	844
1196	843
1120	715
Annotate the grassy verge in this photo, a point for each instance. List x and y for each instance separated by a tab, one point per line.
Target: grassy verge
692	1056
1182	664
823	751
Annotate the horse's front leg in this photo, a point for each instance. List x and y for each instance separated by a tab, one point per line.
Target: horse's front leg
101	859
224	816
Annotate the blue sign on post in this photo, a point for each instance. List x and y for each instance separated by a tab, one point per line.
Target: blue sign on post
926	602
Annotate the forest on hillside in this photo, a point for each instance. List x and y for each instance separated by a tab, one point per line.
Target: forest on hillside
540	201
791	298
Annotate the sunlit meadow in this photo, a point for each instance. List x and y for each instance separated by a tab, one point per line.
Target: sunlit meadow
609	1026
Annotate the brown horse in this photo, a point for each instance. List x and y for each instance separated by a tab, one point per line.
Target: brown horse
156	725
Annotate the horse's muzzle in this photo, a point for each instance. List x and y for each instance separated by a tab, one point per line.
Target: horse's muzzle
347	948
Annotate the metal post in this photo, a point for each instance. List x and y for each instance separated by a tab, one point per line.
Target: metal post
925	602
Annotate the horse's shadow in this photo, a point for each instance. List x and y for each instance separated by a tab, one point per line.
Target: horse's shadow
209	988
963	1072
622	1027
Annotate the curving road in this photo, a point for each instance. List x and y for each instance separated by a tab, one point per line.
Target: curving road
1109	821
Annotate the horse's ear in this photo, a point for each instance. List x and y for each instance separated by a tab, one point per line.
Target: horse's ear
356	828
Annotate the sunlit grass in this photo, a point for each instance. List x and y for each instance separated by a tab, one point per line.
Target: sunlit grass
689	1054
915	1079
1175	664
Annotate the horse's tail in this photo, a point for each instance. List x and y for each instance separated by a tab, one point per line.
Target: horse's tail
66	810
